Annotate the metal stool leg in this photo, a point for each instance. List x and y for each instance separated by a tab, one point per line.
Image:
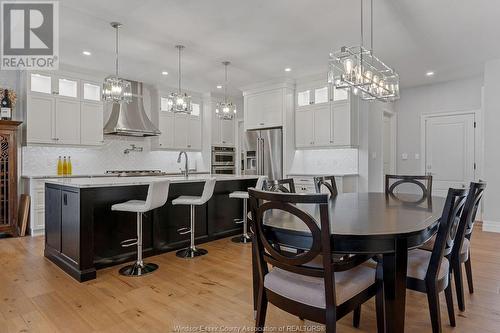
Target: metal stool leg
192	251
245	237
139	267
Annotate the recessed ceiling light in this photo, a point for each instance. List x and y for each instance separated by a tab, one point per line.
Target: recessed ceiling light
219	87
87	53
429	73
288	69
164	73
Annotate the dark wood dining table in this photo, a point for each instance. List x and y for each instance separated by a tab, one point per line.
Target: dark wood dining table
368	223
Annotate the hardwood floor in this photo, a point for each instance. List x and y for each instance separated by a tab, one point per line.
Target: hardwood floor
211	291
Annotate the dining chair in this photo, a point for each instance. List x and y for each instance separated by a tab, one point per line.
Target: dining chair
429	272
328	182
423	182
319	293
286	185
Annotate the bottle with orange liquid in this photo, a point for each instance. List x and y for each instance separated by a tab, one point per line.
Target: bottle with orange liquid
70	167
65	166
59	166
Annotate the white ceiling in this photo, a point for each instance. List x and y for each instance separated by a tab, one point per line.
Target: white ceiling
261	37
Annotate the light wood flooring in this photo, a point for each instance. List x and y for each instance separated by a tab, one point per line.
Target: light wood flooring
212	292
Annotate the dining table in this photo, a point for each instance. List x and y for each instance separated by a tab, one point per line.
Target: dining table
370	223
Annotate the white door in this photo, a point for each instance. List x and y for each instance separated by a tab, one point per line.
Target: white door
227	132
322	126
194	133
67	121
449	151
304	128
181	131
41	117
167	128
91	126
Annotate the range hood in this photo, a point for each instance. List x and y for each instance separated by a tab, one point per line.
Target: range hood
130	119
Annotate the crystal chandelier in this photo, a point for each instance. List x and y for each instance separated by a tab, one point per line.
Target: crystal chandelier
115	89
358	69
179	102
225	109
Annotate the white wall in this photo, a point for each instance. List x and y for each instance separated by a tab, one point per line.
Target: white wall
491	215
325	161
458	95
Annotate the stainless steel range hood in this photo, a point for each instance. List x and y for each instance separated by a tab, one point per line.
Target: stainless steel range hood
130	119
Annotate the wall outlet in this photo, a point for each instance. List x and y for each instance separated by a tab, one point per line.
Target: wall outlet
404	156
417	156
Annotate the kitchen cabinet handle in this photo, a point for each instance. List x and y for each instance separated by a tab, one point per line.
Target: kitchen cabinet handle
261	124
223	141
189	146
65	199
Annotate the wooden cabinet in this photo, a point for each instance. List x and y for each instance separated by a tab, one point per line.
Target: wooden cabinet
325	118
63	110
8	176
53	205
267	105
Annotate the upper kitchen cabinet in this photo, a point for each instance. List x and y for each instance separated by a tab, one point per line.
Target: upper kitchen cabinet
63	110
267	105
222	131
325	117
179	131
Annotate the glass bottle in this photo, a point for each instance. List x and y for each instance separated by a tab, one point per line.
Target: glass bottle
65	166
70	167
59	166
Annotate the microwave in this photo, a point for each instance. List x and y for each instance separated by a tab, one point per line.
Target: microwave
223	156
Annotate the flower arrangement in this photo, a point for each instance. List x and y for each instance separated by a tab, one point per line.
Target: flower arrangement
12	96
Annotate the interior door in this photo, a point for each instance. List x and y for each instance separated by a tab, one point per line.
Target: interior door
449	151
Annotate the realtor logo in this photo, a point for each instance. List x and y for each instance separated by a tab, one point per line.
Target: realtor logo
30	35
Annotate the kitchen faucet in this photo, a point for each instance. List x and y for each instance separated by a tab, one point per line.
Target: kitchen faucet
186	169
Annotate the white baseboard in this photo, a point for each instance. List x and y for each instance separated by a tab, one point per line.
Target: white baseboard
491	226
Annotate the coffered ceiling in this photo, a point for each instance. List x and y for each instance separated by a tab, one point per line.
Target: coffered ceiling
453	38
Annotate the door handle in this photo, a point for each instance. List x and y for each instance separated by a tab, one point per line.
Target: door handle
65	199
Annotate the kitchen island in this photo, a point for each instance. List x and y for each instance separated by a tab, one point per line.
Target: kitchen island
82	234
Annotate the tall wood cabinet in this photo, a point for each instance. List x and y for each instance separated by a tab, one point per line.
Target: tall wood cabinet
8	176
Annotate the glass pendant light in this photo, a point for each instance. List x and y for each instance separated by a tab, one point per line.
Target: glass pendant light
179	102
115	89
359	70
225	109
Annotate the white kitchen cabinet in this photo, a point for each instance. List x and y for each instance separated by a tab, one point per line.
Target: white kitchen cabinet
181	125
63	110
67	124
194	133
222	131
35	188
40	119
167	129
341	121
267	105
322	126
304	130
91	123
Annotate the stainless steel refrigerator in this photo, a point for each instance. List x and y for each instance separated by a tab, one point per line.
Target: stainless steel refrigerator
263	151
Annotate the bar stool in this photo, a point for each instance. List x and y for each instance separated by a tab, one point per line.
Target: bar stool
245	237
157	196
208	190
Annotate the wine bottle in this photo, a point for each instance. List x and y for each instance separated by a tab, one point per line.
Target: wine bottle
6	106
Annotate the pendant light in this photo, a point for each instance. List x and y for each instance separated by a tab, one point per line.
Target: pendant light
358	69
179	102
115	89
225	109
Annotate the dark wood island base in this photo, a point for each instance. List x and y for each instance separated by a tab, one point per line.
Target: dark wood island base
83	235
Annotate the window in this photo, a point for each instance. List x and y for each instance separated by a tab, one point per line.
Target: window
68	88
321	95
41	83
91	92
303	98
340	94
163	104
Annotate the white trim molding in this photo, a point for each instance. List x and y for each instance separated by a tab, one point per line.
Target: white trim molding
491	226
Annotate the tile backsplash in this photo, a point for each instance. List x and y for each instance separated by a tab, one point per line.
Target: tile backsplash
42	160
325	161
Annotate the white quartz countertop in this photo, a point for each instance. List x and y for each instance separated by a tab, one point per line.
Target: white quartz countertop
89	182
97	175
312	174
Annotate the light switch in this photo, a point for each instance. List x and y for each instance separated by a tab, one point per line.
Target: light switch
417	156
404	156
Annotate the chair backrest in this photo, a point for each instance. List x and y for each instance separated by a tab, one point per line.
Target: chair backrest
280	185
157	194
328	182
208	190
270	250
468	217
260	182
424	182
447	230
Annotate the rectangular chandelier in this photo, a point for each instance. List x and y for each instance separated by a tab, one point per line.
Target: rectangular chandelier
357	69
